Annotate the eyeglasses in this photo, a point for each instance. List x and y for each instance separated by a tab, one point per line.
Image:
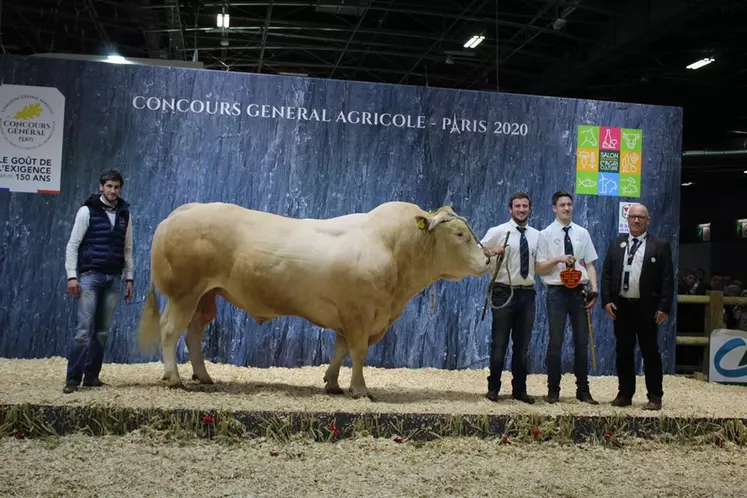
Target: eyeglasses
637	217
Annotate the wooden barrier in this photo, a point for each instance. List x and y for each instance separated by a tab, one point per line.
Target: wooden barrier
714	319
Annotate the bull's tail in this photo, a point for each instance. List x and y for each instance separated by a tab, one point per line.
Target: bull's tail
149	329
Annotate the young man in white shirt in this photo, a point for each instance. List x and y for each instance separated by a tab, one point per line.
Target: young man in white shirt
516	318
564	244
98	253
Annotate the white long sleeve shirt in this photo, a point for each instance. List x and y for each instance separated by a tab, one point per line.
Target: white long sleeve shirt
80	227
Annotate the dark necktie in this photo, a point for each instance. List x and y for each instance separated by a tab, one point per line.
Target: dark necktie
631	254
633	249
568	244
524	252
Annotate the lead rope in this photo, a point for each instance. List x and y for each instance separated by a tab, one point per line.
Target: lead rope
489	294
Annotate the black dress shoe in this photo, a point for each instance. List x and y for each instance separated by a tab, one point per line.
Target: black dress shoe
70	388
93	382
552	397
492	395
621	401
585	397
523	397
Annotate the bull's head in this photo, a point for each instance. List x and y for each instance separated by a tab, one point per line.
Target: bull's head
432	220
462	252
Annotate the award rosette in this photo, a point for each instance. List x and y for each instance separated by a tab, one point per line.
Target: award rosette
570	277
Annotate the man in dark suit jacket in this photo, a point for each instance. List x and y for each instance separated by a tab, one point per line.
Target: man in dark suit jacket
637	292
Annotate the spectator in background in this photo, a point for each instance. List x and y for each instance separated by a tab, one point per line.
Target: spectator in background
730	319
686	283
740	313
716	283
699	287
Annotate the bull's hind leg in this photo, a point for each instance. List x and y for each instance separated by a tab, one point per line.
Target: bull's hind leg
176	317
332	375
205	313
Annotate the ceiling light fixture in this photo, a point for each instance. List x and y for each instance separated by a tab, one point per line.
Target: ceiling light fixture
687	184
701	63
474	41
223	20
116	59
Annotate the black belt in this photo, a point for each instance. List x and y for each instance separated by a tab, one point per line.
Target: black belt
519	287
579	287
629	299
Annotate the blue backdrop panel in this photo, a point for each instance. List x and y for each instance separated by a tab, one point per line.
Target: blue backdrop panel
130	118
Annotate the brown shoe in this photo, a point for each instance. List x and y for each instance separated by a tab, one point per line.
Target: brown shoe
621	401
652	405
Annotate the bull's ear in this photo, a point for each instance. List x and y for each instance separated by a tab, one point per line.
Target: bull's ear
421	222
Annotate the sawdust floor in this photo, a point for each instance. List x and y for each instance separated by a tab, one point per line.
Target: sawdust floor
140	465
40	381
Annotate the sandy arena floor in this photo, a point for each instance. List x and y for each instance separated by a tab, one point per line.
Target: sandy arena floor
40	381
140	465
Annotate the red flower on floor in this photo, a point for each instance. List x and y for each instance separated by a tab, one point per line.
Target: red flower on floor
536	432
208	419
334	430
505	439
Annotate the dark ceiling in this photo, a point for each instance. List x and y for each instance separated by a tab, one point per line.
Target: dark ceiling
624	50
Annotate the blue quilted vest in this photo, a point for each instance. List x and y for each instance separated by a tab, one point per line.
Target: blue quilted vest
102	247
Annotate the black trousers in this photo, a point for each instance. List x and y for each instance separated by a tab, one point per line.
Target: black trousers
632	324
516	320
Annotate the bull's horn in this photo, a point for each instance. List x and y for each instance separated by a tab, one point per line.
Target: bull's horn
432	221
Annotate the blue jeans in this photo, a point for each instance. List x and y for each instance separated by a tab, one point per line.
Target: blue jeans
98	299
562	302
516	319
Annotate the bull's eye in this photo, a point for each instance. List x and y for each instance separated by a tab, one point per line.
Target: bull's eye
459	234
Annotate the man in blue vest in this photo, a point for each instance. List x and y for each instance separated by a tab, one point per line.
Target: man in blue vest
98	253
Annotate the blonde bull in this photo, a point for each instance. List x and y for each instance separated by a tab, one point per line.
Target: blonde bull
352	274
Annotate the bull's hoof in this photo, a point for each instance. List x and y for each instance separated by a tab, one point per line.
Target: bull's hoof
177	385
207	381
334	390
364	394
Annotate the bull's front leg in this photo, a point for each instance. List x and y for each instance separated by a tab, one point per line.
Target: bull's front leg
358	349
332	375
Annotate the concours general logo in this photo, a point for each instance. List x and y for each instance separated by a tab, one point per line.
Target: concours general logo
27	122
